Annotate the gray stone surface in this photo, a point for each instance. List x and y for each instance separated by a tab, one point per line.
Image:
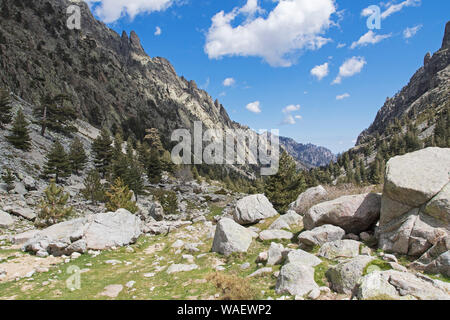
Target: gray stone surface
345	275
340	249
253	209
415	178
296	280
286	221
300	257
354	214
275	235
321	235
96	232
307	198
231	237
5	219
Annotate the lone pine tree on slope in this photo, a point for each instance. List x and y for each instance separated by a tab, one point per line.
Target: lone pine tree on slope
20	135
57	163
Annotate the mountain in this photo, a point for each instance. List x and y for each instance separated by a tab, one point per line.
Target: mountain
308	155
111	80
428	90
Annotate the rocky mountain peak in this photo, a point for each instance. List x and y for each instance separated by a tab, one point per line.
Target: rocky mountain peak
446	41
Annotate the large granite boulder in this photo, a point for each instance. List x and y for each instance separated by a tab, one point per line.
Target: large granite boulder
307	199
320	235
96	232
415	210
295	279
231	237
300	257
253	209
286	221
340	249
354	214
345	275
5	220
397	285
415	178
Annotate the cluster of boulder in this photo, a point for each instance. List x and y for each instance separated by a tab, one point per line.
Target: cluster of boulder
411	217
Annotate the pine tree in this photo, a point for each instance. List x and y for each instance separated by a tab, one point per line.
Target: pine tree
5	108
77	156
285	186
154	167
120	196
103	152
53	207
20	135
93	188
54	113
154	140
57	163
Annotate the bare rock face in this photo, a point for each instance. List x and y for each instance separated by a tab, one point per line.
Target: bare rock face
231	237
429	83
253	209
415	210
437	259
96	232
354	214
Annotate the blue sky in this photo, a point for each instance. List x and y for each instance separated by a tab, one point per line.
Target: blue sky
267	50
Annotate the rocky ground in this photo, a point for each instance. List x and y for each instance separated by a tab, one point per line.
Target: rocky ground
350	244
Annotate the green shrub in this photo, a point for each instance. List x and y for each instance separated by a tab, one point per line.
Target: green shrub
120	196
53	207
168	200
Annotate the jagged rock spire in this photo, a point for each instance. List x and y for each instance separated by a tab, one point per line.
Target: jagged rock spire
446	41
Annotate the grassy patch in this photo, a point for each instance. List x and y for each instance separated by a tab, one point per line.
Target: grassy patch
376	265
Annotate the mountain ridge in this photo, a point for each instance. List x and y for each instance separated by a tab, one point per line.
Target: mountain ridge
113	82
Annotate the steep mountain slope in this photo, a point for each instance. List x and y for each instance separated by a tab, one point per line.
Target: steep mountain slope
428	89
112	81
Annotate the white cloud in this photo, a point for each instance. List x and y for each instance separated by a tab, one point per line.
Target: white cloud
254	107
320	71
393	8
291	108
206	84
288	120
369	38
158	31
367	12
278	37
342	96
251	8
298	117
112	10
340	45
228	82
411	32
349	68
